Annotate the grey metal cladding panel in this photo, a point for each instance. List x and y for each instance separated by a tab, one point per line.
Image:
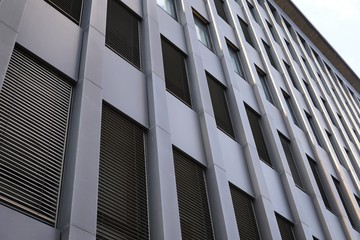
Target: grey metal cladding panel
51	36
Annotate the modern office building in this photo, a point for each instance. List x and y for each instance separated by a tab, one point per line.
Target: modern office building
174	119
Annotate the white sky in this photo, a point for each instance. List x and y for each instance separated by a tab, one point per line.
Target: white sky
339	22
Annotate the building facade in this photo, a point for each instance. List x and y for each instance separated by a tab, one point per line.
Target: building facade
174	119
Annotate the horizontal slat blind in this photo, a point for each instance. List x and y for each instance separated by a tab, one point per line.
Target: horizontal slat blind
219	103
245	216
34	110
285	228
175	71
72	8
122	32
122	201
192	198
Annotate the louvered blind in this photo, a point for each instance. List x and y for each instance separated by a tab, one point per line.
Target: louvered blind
245	215
34	110
221	111
71	8
122	200
122	32
285	228
175	71
254	120
192	198
286	144
219	4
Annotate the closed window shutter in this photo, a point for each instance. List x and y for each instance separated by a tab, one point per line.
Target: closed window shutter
221	111
192	198
175	71
34	111
72	8
122	32
285	228
122	200
244	213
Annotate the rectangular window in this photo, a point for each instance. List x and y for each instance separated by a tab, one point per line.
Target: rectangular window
291	50
357	200
195	219
331	116
122	32
175	71
308	68
219	103
244	213
289	71
235	59
219	5
252	11
316	174
265	86
311	94
345	126
313	129
340	192
255	124
122	201
269	54
286	144
35	103
290	108
246	31
272	30
168	6
334	147
202	32
71	8
285	227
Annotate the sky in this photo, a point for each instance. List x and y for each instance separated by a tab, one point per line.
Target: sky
339	22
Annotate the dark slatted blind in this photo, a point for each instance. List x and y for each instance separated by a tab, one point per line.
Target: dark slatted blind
244	213
72	8
34	110
318	182
122	202
221	111
219	4
254	120
291	161
122	32
175	71
192	198
245	28
285	227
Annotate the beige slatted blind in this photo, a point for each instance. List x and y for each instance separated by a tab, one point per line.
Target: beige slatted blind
122	201
34	111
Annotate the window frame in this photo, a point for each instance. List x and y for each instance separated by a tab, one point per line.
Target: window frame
204	27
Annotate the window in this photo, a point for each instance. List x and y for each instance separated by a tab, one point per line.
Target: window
265	86
235	59
288	69
71	8
255	124
357	200
286	144
274	13
308	68
353	161
122	32
345	127
35	104
219	103
246	31
244	213
311	94
290	108
272	30
316	174
334	147
340	192
312	126
168	6
291	50
285	227
122	201
219	4
195	219
268	52
328	111
252	11
202	32
175	71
